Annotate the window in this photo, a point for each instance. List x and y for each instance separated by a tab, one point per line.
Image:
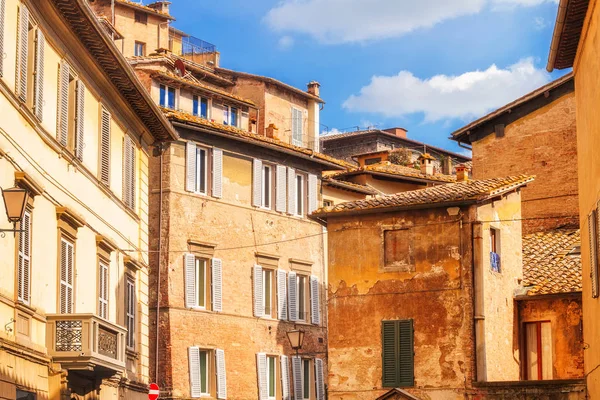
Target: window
397	250
230	115
371	161
266	284
306	378
24	259
397	353
167	97
234	116
67	255
200	107
139	49
103	284
267	186
297	128
268	291
203	281
198	173
300	190
23	395
327	203
71	111
302	297
495	249
129	172
201	170
200	282
267	376
141	17
204	364
271	377
130	305
204	372
105	147
538	350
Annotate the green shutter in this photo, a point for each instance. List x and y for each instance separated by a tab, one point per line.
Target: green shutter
397	353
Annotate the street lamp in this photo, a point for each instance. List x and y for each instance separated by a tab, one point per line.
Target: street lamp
296	337
15	200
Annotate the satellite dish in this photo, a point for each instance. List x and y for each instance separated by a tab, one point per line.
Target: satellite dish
179	68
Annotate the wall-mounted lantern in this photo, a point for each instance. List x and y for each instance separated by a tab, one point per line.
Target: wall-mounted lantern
15	200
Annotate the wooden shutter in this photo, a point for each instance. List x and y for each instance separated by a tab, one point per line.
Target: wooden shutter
217	173
297	127
194	363
285	378
103	290
38	93
261	369
24	267
190	167
62	134
593	242
129	172
80	120
2	19
291	181
189	266
282	295
66	277
130	304
297	377
315	314
23	52
257	183
313	193
397	353
281	189
319	379
105	147
406	352
217	285
292	296
259	300
221	374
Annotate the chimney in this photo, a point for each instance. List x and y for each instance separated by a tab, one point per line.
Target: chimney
400	132
447	166
272	131
426	163
462	173
313	88
161	6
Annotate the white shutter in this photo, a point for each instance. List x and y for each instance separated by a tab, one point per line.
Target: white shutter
23	52
319	379
129	172
297	376
217	285
285	378
261	370
194	361
24	267
257	183
189	265
38	93
190	167
293	296
282	300
66	277
2	18
291	181
315	314
105	147
280	189
217	173
103	290
62	134
259	300
312	193
80	120
221	374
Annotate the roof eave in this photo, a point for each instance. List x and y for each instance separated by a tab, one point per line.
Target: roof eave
343	186
557	33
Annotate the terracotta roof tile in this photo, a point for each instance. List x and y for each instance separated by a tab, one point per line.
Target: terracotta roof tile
388	168
144	8
469	191
365	189
552	262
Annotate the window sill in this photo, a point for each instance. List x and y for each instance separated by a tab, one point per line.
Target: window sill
132	354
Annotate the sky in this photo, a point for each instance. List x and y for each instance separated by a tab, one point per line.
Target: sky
429	66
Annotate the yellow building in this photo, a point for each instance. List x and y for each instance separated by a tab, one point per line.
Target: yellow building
76	131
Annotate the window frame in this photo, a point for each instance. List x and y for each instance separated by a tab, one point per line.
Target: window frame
267	186
70	241
103	264
228	113
141	46
305	303
26	257
202	170
399	380
207	372
167	91
311	381
271	305
130	311
495	247
539	349
301	194
198	261
140	17
197	102
270	358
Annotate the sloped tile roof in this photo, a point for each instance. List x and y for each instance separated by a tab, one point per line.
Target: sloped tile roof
470	191
387	168
147	9
355	187
551	262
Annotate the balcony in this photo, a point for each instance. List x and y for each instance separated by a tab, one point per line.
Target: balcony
86	342
190	46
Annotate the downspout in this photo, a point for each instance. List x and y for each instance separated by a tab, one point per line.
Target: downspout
160	203
478	312
460	144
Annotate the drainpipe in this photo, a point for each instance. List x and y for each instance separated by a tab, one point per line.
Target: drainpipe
478	310
160	204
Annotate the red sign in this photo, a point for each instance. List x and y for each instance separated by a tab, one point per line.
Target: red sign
153	391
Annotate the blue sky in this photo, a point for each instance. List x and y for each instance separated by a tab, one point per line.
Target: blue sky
430	66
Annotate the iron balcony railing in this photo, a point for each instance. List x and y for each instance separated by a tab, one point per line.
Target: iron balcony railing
86	341
191	46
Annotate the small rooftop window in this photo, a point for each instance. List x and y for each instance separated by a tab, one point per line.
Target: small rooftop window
141	17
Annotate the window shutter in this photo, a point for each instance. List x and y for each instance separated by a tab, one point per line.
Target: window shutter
221	374
129	172
315	314
130	304
38	101
406	352
293	296
257	183
261	369
217	285
297	376
2	18
62	134
285	378
291	181
190	167
217	173
103	291
189	265
319	379
280	189
66	277
312	193
282	295
259	301
593	240
80	118
23	52
397	353
389	354
105	147
194	360
24	266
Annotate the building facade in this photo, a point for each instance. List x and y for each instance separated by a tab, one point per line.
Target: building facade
76	132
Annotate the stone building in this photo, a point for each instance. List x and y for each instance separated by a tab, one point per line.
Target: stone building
76	132
534	135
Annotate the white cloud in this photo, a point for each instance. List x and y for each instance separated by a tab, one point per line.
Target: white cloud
347	21
539	23
333	131
465	96
285	42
